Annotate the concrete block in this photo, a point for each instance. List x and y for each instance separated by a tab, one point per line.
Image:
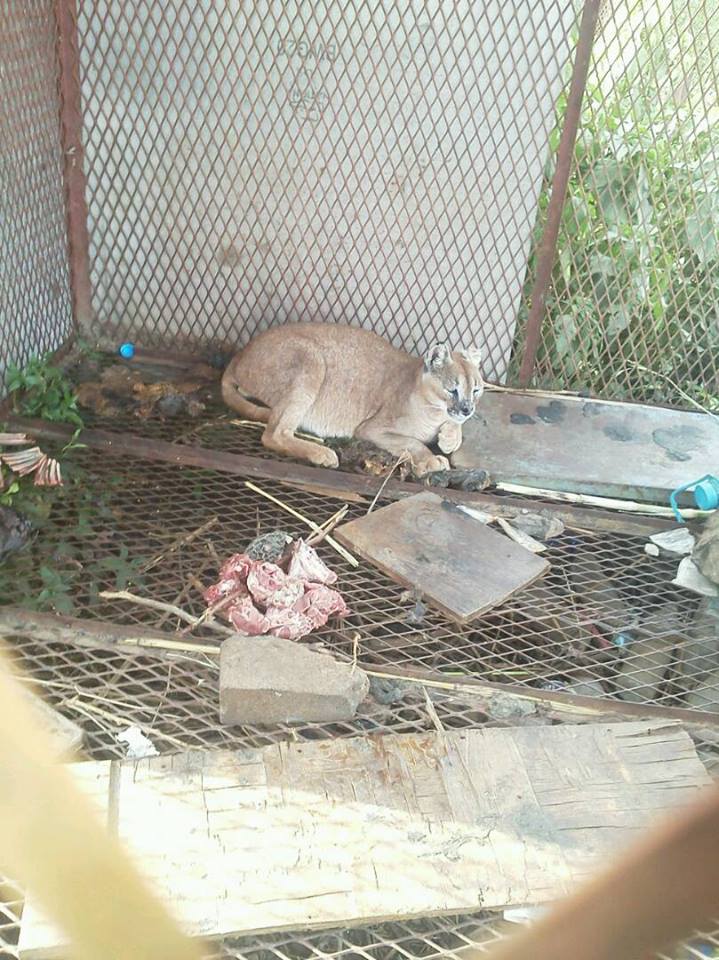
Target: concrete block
266	680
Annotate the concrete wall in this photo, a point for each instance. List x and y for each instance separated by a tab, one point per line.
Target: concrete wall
250	163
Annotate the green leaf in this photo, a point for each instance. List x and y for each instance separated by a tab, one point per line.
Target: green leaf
565	332
703	229
618	320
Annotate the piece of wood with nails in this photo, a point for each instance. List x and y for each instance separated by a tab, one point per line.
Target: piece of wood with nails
665	887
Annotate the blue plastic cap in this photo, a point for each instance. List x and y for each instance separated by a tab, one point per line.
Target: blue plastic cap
706	493
127	351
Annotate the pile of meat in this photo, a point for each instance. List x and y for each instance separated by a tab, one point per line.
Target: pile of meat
259	597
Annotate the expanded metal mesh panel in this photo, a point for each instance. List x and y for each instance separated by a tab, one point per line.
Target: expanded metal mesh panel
261	162
633	310
35	307
116	514
605	620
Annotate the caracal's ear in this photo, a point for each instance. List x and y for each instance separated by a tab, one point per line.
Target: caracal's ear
473	355
436	357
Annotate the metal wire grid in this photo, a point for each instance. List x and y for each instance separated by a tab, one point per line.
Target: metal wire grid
175	703
632	310
250	164
35	307
115	513
605	620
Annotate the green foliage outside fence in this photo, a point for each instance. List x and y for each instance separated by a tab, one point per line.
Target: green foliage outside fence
633	310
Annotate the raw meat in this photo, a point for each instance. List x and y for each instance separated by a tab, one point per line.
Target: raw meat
260	597
307	565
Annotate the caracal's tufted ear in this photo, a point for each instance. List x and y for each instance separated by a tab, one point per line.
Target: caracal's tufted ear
473	354
436	357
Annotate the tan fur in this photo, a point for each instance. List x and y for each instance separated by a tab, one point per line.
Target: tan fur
339	381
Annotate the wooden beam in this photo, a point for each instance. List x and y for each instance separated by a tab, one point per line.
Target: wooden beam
146	641
285	471
98	634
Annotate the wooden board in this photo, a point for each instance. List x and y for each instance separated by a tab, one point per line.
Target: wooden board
587	446
459	564
326	833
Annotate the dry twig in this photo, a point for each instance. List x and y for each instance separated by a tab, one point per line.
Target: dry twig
310	523
169	607
176	544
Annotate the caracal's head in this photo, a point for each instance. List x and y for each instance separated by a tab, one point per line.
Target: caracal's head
453	379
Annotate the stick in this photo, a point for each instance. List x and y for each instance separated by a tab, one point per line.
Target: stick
176	544
159	605
342	484
402	458
213	609
328	526
95	634
673	383
433	715
520	537
261	426
631	506
310	523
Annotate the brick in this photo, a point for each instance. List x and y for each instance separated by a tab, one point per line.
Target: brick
266	680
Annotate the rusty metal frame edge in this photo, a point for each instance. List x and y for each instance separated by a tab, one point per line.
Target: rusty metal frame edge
105	635
547	249
71	121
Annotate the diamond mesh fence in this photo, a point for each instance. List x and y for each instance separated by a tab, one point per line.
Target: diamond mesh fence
250	164
35	307
632	306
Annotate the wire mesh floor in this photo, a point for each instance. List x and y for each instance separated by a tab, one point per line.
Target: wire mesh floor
115	514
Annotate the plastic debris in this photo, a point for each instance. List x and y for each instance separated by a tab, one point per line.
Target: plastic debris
678	542
31	460
137	744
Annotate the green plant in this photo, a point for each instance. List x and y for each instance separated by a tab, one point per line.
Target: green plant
41	389
632	308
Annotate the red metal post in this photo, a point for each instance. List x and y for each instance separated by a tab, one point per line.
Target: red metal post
548	245
74	174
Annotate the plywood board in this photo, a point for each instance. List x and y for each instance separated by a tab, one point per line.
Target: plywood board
326	833
588	446
460	566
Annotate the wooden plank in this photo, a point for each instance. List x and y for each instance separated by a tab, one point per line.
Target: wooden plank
585	446
286	471
318	834
459	564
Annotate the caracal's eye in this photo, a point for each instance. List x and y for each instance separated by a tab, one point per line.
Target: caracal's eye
454	392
